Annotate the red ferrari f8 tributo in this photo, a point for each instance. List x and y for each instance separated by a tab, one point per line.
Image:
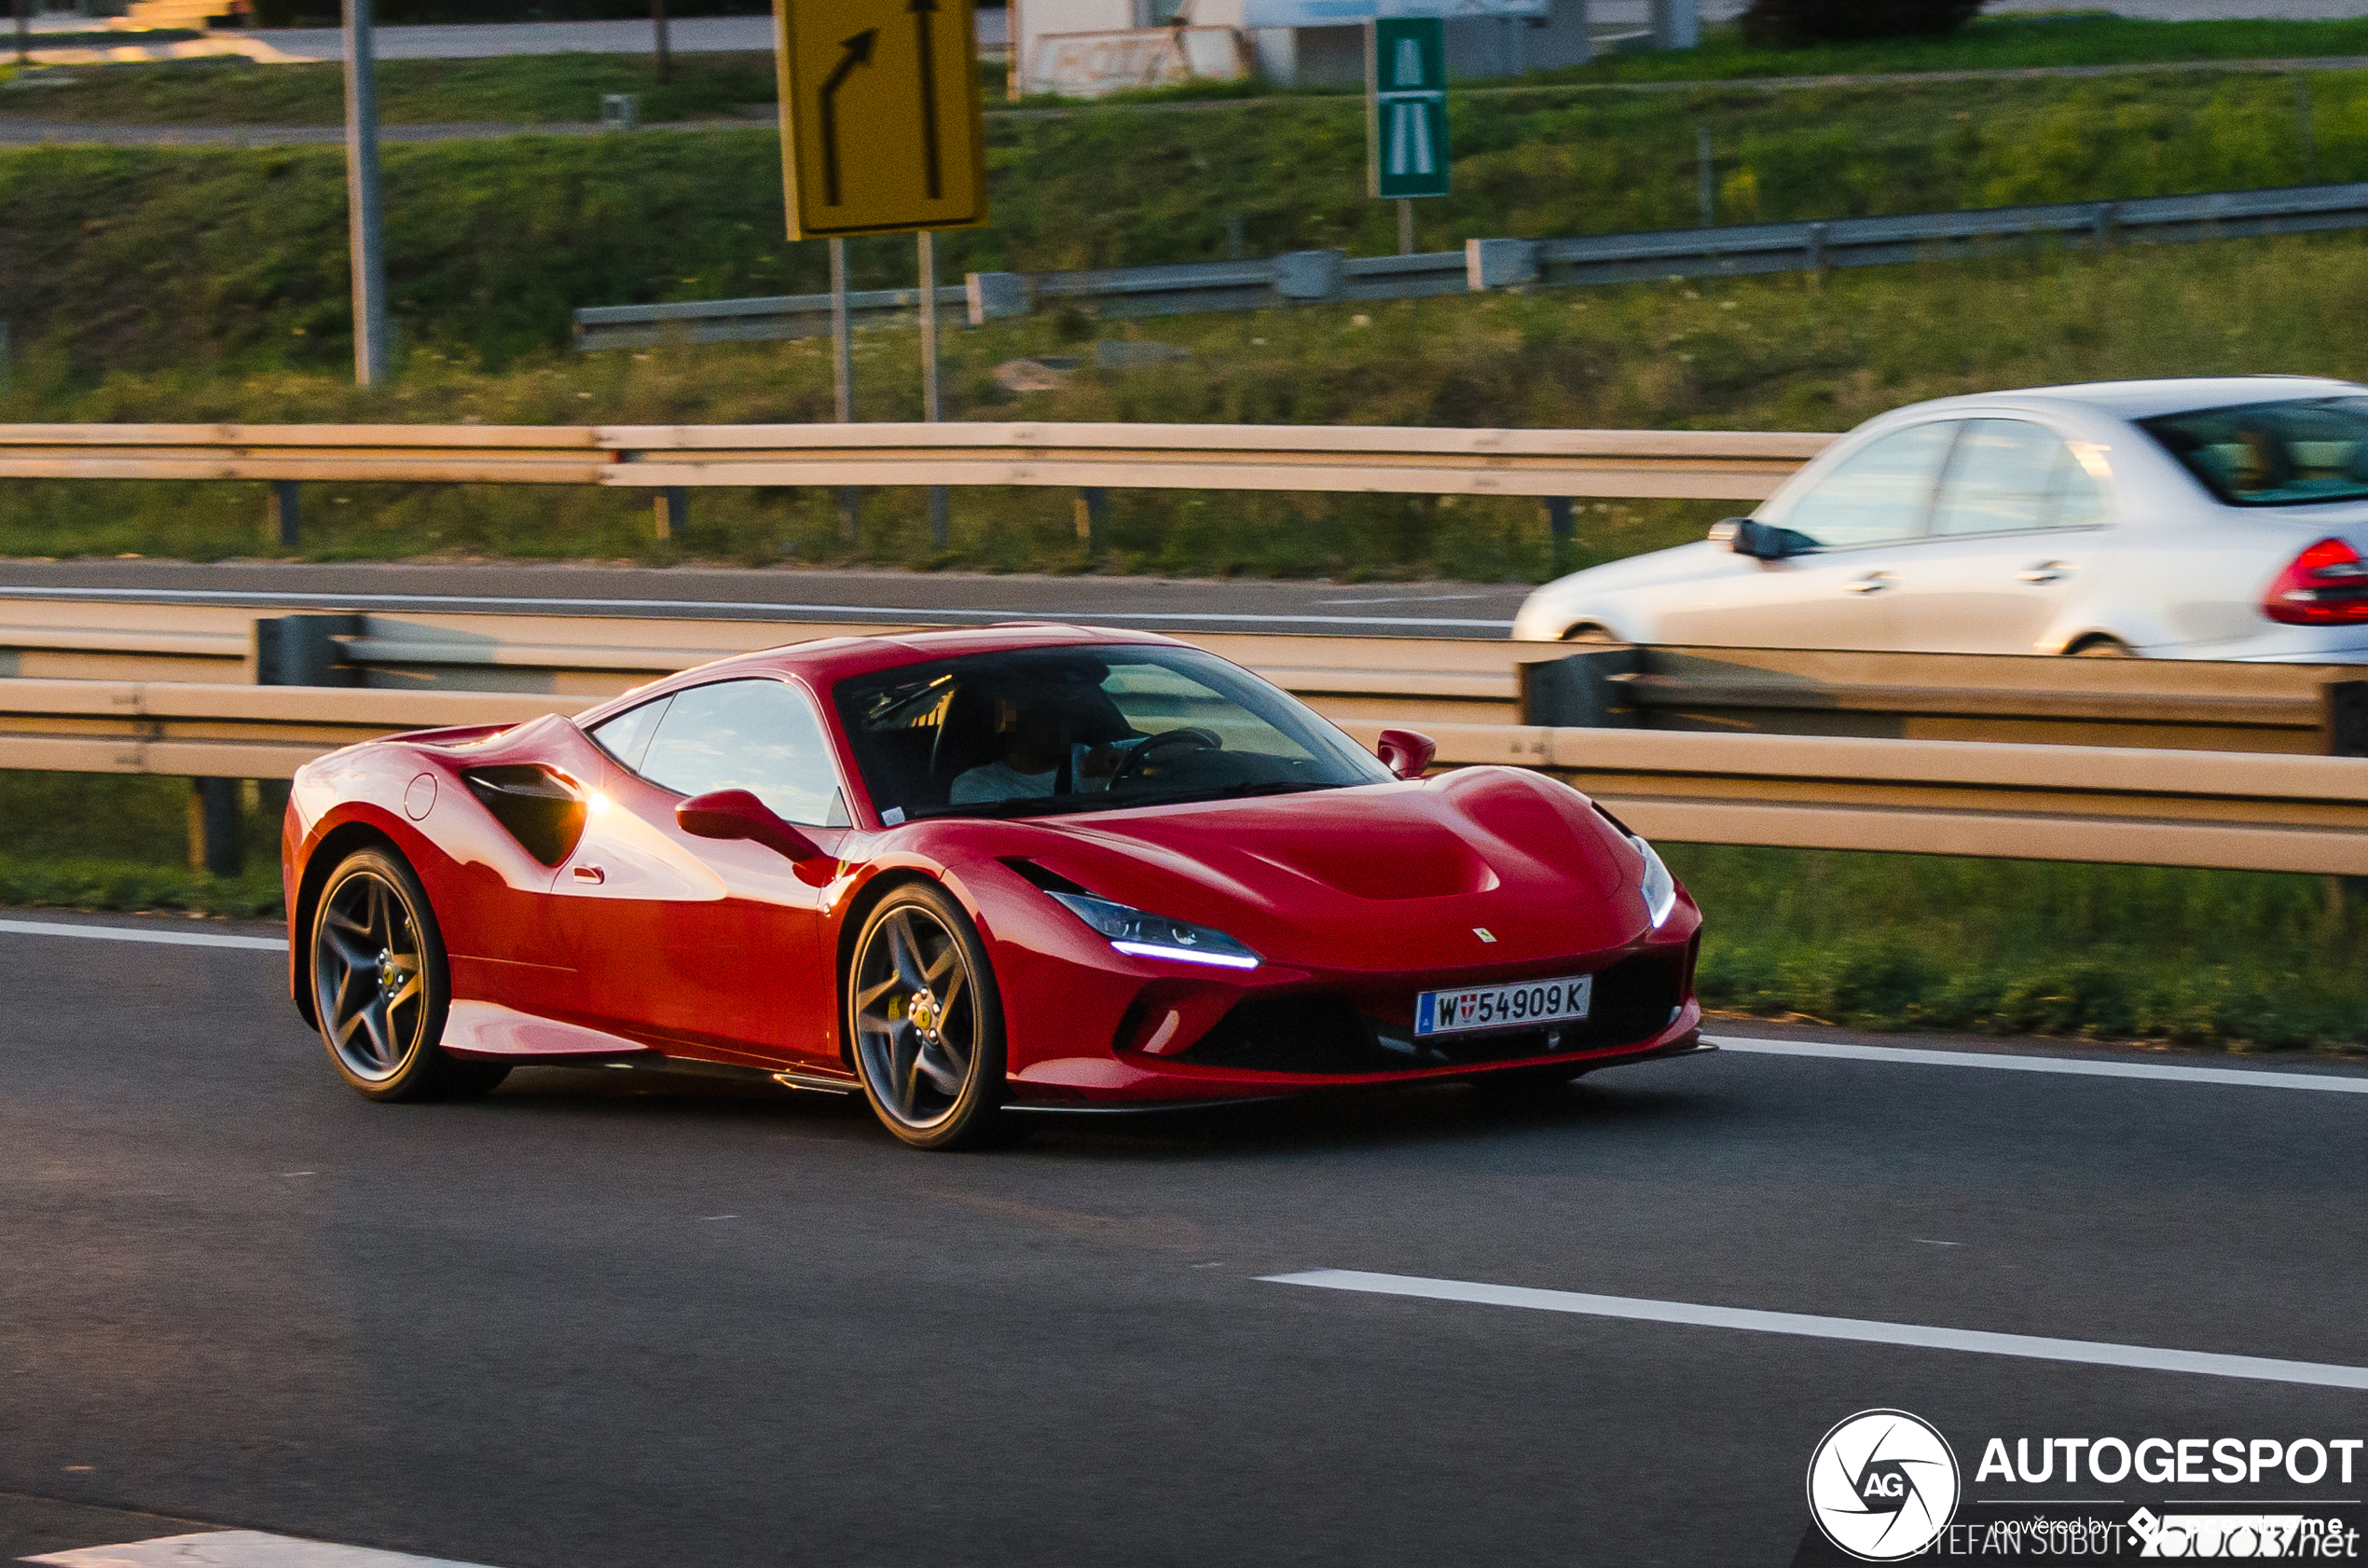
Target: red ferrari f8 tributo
969	874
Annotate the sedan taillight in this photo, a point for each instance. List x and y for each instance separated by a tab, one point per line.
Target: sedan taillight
2326	586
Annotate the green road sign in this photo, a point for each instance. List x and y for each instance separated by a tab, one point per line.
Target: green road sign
1406	105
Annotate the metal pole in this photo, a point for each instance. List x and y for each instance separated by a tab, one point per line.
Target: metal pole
287	514
24	31
1559	532
1708	176
362	198
932	409
842	373
1405	226
2309	139
666	55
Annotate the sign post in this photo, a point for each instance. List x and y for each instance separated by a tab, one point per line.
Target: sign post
882	132
1406	113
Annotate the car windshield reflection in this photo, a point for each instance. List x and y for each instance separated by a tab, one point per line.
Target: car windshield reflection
1040	730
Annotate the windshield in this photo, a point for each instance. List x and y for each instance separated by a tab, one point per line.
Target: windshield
1037	731
2274	454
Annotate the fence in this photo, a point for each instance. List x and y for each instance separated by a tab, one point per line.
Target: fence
2066	803
1329	277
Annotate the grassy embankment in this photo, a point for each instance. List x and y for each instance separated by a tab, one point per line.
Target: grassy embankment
180	283
544	88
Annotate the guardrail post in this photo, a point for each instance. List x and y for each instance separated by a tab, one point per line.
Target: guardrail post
2347	721
672	509
215	846
1498	264
304	650
997	295
1310	277
1817	251
2107	213
1578	690
1093	506
284	513
1560	532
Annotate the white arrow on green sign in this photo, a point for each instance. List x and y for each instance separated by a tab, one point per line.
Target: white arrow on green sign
1406	105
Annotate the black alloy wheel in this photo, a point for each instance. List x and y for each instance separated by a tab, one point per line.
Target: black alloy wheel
926	1021
380	985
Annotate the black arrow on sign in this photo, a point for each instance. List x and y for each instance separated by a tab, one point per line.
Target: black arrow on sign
858	52
924	17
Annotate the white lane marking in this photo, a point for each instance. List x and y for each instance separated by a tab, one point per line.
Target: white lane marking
2331	1082
136	933
2095	1353
874	613
239	1548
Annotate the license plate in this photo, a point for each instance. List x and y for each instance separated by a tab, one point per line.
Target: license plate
1519	1005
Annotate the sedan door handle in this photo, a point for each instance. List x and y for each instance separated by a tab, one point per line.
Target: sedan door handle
1873	583
2046	571
590	873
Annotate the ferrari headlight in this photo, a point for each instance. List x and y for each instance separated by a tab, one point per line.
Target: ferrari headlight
1155	936
1659	888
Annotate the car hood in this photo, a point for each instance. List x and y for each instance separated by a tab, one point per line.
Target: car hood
1404	875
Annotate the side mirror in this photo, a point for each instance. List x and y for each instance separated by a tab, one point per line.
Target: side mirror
1406	753
738	814
1766	541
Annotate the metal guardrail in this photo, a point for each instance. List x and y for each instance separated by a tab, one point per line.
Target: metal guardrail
2161	704
2140	806
2182	704
1332	277
1411	679
1722	465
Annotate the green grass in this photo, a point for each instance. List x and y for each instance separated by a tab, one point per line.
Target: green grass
109	840
2242	960
542	89
230	89
1994	44
1778	354
232	262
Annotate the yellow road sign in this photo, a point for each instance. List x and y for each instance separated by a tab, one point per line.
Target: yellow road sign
881	126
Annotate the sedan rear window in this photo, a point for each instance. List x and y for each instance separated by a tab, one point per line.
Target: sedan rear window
2273	454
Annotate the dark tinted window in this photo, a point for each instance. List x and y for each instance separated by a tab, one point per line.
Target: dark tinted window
2273	454
759	735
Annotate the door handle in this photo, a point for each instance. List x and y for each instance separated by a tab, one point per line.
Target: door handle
2046	571
590	873
1873	583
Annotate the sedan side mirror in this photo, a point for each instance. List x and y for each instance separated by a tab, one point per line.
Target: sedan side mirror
1764	540
738	814
1406	753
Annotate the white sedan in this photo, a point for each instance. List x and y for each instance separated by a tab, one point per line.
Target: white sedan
2197	519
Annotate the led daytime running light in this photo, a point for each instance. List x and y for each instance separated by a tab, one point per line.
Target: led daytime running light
1659	888
1141	935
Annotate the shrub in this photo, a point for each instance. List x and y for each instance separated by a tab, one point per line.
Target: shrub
1786	24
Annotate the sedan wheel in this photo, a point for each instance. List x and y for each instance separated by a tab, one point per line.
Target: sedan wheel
925	1020
380	985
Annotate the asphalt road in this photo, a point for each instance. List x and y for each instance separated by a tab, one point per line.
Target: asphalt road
954	598
602	1321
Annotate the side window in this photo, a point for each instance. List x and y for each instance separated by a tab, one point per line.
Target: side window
627	736
1881	492
758	736
2014	477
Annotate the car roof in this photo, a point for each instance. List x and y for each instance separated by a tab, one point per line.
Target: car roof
826	661
2140	400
